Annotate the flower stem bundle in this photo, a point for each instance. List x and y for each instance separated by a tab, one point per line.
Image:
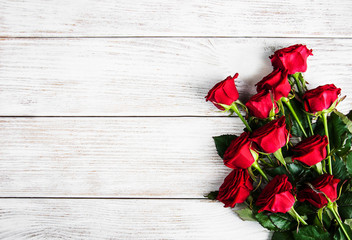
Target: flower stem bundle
292	165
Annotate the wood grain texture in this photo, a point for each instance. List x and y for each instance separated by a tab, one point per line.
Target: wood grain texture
112	157
122	219
176	18
147	77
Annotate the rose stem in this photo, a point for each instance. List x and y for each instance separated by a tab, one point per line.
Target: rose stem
268	156
251	173
294	114
294	214
235	109
310	125
278	155
256	166
331	208
325	121
298	82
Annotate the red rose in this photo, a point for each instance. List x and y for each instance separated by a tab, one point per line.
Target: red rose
261	104
276	82
272	136
311	150
236	188
293	58
238	154
224	92
325	183
276	196
320	98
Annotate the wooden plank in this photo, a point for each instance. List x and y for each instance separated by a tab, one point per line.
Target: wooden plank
147	77
112	157
293	18
122	219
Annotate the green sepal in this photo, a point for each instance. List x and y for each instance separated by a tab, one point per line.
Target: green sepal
212	195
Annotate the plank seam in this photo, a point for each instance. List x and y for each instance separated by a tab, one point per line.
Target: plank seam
131	116
202	37
118	198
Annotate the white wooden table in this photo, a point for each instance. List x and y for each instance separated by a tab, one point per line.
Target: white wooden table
104	131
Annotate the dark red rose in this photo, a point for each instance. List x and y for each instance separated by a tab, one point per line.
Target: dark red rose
325	183
236	188
293	58
272	136
276	196
320	98
238	154
311	150
261	104
224	92
276	82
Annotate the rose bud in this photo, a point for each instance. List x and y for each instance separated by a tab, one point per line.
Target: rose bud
277	195
320	98
272	136
311	150
240	154
326	184
293	58
276	82
236	188
224	92
261	105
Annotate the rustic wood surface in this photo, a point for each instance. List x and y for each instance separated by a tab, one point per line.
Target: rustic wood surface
105	133
147	77
122	219
112	157
255	18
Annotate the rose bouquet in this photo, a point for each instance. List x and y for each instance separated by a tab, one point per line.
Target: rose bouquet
292	165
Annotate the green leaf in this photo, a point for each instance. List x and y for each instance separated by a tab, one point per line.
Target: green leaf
311	233
282	236
339	169
337	130
296	171
245	214
345	205
222	143
326	218
276	221
348	161
339	235
291	121
349	222
349	115
212	195
345	120
345	146
304	209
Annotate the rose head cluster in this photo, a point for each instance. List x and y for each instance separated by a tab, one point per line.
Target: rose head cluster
290	157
